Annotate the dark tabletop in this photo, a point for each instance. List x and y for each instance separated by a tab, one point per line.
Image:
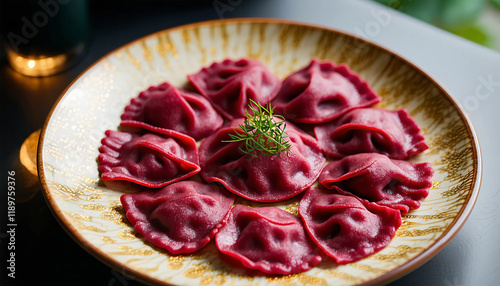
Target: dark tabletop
45	254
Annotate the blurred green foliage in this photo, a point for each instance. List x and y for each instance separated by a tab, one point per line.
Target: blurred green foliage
457	16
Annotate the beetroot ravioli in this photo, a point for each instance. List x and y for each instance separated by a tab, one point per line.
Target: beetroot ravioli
322	92
377	178
181	217
173	108
367	130
268	239
346	228
369	180
230	85
152	158
264	178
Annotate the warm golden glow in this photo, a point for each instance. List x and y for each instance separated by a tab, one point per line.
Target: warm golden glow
26	169
36	66
31	64
27	154
42	65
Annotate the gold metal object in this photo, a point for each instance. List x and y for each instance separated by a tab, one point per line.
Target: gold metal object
26	169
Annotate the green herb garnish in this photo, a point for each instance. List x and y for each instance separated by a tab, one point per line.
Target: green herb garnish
262	132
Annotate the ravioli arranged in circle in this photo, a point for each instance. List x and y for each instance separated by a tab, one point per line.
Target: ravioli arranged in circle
360	154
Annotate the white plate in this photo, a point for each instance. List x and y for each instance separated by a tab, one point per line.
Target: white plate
93	216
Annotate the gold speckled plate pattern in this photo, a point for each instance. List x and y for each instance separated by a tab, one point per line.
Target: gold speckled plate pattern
93	216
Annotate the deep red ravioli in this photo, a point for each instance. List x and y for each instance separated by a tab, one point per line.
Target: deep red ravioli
173	108
265	178
357	216
346	228
182	217
268	239
372	130
322	92
395	183
230	84
152	157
